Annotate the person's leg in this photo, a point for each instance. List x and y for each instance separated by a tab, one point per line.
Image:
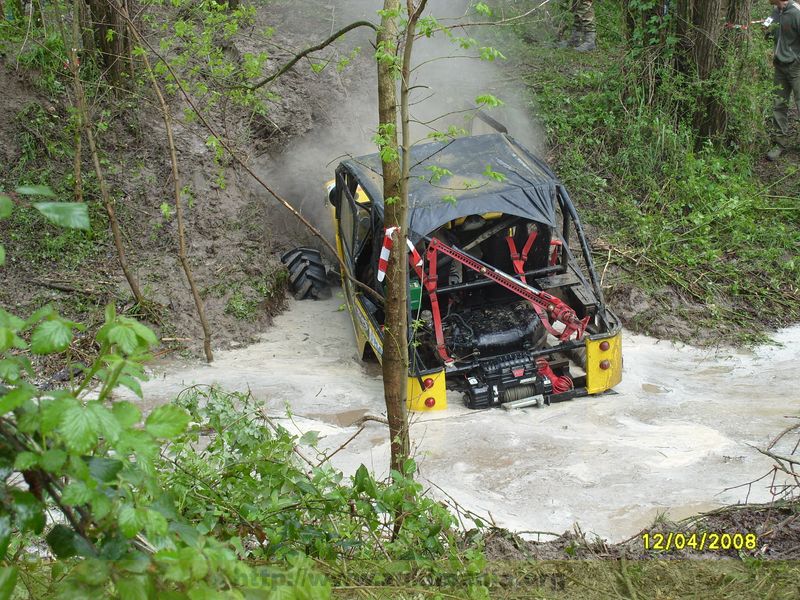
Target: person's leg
569	21
794	83
780	111
584	15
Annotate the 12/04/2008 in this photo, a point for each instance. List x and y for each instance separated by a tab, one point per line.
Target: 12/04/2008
711	541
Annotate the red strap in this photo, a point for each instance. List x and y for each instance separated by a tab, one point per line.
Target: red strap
430	285
519	261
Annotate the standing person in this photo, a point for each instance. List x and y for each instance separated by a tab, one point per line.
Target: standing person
584	30
787	70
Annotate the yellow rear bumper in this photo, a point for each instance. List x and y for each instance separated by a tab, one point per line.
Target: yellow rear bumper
603	362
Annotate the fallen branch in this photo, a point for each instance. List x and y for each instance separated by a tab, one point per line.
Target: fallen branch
69	289
366	418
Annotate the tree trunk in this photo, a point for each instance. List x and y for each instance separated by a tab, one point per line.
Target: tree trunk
710	115
110	38
629	18
683	18
395	333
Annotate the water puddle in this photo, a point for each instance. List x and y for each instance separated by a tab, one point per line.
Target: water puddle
680	432
342	419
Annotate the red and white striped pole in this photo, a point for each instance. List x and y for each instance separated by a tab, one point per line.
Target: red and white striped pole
386	250
383	261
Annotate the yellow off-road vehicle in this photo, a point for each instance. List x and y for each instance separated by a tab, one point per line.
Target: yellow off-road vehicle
504	303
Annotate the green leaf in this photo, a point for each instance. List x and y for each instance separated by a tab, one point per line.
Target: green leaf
110	312
488	100
167	421
124	337
52	460
364	482
138	441
35	190
50	337
93	572
130	521
52	413
101	505
6	206
145	333
492	174
38	315
126	413
132	384
61	540
104	469
6	338
76	493
135	562
155	523
10	321
16	397
74	215
29	511
8	581
25	460
105	423
310	438
9	371
5	534
78	428
135	587
483	9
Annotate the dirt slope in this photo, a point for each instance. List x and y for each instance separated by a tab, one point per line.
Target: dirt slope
235	229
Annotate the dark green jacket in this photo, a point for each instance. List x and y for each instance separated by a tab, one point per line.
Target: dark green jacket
787	40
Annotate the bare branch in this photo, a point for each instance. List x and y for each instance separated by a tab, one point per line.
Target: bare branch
311	50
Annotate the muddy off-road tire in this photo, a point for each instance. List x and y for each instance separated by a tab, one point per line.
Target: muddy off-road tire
307	278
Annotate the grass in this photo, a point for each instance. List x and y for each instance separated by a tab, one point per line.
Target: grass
580	580
46	150
250	296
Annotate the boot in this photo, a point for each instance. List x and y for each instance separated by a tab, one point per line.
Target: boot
589	43
573	41
774	153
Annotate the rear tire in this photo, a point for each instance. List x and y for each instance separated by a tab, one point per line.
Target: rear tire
307	277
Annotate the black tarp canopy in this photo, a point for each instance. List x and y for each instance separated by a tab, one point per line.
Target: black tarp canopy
529	188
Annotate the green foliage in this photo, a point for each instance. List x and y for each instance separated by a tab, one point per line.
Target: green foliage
488	101
46	147
251	487
91	458
194	46
249	297
386	140
72	215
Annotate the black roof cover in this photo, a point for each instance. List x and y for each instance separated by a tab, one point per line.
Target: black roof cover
529	189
